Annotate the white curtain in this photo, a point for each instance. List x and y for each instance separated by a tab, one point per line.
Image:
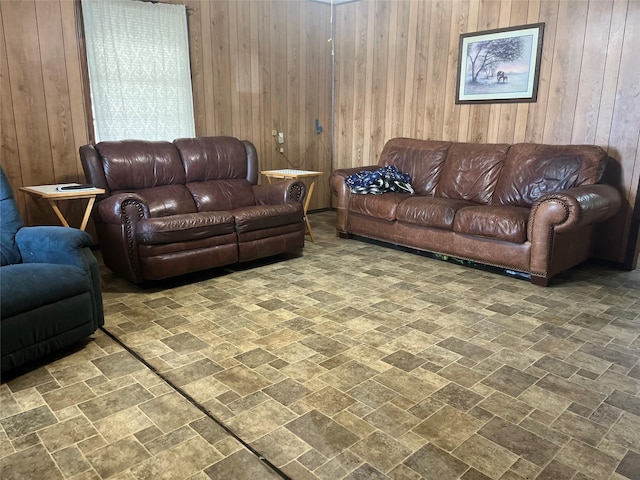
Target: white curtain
139	73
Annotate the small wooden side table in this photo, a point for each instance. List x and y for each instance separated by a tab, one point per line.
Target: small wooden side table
293	173
53	195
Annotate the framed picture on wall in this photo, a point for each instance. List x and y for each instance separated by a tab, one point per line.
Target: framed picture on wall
500	66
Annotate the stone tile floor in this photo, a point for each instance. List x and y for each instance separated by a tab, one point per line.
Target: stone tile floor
353	362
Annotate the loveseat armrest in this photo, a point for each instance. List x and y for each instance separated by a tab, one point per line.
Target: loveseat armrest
563	213
49	244
116	208
280	192
340	189
116	219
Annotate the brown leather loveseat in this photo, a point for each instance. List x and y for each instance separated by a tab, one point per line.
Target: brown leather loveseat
172	208
529	208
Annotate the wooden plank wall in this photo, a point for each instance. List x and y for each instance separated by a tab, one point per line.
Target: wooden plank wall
260	66
43	121
396	67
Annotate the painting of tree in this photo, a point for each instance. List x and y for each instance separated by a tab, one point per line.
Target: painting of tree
485	56
501	65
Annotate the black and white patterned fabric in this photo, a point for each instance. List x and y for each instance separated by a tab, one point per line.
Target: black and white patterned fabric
384	179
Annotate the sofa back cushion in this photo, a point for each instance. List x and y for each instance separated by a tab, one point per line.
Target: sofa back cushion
217	195
152	170
133	164
471	171
212	158
166	200
217	172
533	170
422	159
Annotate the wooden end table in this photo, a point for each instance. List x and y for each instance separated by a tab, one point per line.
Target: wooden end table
293	173
53	195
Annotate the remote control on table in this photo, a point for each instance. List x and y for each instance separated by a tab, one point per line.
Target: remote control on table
63	188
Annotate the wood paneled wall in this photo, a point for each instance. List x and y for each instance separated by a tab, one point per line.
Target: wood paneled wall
259	66
396	64
43	120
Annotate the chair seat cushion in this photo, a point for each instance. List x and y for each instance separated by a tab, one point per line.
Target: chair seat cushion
27	286
498	222
184	227
258	217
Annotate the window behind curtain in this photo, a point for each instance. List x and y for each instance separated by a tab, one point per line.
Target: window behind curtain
139	74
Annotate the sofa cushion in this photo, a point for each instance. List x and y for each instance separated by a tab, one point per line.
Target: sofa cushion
165	200
27	286
499	222
190	248
179	228
421	159
259	217
471	171
532	170
378	206
214	195
430	211
135	164
212	158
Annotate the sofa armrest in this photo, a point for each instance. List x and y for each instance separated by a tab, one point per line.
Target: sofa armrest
567	212
115	208
60	245
280	192
116	219
573	208
340	189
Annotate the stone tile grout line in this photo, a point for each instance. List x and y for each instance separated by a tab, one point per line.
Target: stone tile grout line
191	400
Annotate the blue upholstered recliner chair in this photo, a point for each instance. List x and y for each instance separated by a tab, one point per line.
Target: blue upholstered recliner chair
49	286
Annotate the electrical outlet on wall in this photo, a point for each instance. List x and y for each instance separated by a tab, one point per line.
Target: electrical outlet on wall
280	138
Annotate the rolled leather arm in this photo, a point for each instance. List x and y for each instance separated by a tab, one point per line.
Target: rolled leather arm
113	209
119	215
342	192
280	192
565	212
573	208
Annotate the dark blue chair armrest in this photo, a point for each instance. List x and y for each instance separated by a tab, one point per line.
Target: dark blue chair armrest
53	245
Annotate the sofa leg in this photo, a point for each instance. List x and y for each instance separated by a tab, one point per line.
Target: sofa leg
540	281
344	235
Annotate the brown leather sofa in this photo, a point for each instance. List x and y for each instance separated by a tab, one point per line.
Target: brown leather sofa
528	208
172	208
